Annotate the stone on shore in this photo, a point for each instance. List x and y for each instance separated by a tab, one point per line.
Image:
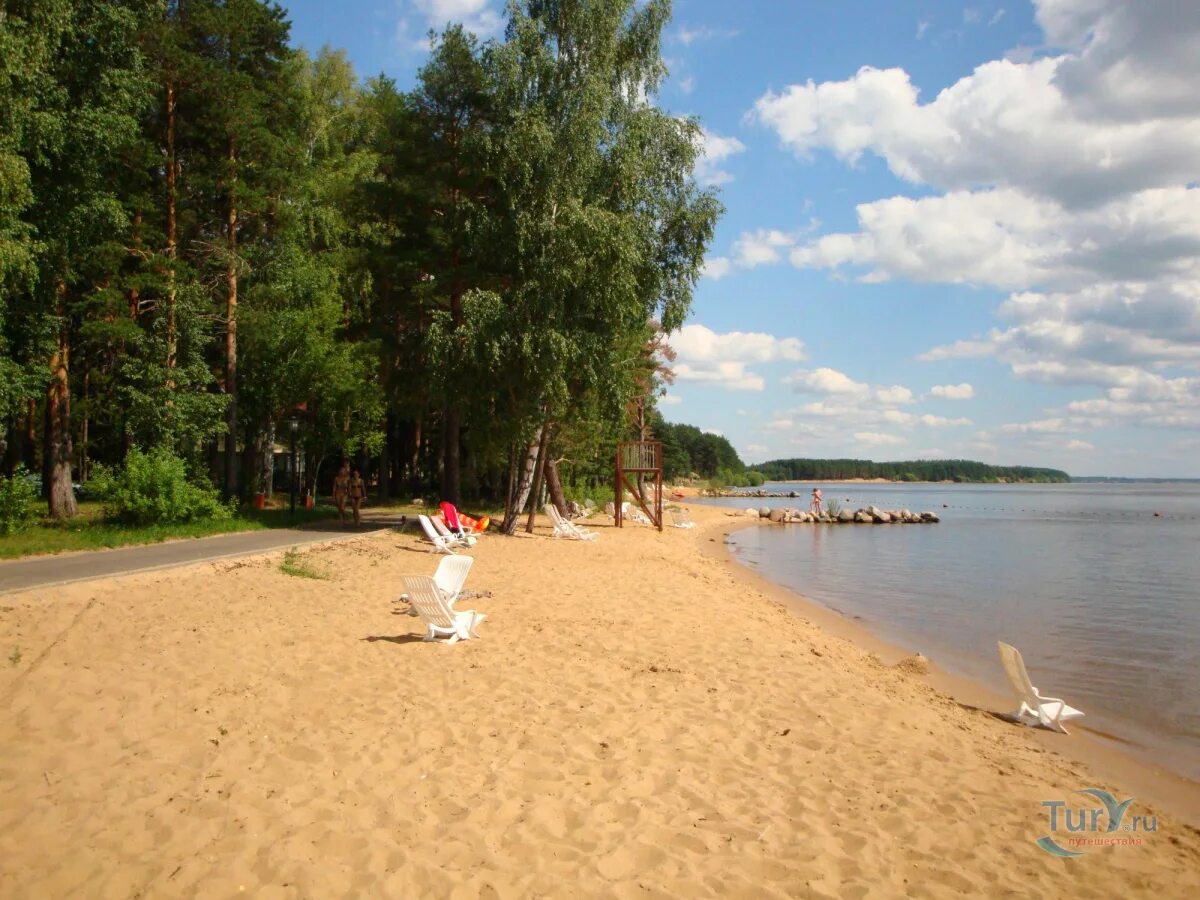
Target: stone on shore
845	516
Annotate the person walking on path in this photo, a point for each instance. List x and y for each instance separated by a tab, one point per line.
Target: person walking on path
815	506
341	490
358	492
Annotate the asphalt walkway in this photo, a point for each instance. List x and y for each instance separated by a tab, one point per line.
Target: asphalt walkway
47	571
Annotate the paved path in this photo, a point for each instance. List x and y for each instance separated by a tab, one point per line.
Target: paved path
45	571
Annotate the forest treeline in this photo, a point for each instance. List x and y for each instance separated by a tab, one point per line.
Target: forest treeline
910	470
206	235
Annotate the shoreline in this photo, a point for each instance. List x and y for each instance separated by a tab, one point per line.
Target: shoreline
640	717
1098	750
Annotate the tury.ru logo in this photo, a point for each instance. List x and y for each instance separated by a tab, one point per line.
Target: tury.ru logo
1074	831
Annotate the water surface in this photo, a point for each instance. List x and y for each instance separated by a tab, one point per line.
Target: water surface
1101	597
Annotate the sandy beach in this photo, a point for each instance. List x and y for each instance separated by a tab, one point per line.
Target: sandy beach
641	718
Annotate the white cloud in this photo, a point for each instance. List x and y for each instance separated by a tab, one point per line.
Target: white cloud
942	422
713	431
688	84
996	17
716	267
704	355
687	35
1076	445
876	438
1067	175
896	394
715	150
761	247
1007	125
922	27
480	16
962	391
755	450
826	381
669	400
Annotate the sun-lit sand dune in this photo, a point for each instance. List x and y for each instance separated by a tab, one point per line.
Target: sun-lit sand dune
638	720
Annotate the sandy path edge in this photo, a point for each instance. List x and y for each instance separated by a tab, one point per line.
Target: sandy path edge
1161	786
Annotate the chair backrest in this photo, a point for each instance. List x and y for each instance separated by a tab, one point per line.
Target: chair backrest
451	574
440	525
431	532
1014	668
555	515
428	601
450	514
609	509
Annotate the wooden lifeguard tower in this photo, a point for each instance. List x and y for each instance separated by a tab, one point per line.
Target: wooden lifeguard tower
639	459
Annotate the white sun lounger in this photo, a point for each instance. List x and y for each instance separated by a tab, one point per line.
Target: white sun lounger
680	518
454	537
566	528
634	515
1049	712
441	621
440	543
450	576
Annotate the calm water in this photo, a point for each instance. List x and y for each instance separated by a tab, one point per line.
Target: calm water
1101	597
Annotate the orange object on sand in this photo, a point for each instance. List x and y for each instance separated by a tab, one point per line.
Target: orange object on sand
476	525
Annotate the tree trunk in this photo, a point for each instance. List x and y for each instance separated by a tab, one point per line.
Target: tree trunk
59	491
267	474
171	250
519	494
231	301
539	472
554	483
414	466
452	468
385	457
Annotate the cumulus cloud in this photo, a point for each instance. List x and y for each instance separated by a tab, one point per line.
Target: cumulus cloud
877	438
484	17
688	35
715	150
826	381
703	355
962	391
716	267
1068	177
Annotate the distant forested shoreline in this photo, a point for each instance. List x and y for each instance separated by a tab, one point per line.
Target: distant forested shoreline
958	470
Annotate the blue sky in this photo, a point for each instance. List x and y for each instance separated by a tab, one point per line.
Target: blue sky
952	229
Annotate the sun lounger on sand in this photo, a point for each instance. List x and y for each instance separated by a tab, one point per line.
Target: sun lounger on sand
442	622
441	543
680	518
566	528
1049	712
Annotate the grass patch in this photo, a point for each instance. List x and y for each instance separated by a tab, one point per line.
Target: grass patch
294	564
89	531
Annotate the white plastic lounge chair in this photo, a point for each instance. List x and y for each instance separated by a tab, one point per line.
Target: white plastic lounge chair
680	518
456	538
441	622
566	528
634	515
451	575
610	510
440	543
1049	712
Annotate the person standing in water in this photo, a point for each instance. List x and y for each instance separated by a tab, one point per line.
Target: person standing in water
341	490
358	492
815	506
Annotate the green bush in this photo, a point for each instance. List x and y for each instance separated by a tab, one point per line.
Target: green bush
153	489
18	502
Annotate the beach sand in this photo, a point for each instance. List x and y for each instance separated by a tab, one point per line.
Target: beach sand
639	719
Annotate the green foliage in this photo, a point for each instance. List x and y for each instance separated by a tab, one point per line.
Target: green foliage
912	470
295	565
153	489
18	499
